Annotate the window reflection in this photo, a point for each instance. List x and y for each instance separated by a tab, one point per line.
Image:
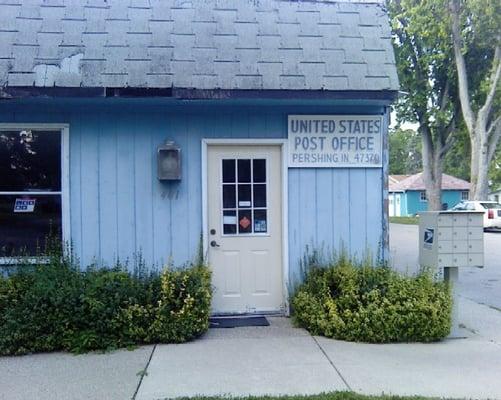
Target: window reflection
30	190
23	231
30	160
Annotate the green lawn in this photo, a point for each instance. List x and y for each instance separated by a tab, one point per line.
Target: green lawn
405	220
324	396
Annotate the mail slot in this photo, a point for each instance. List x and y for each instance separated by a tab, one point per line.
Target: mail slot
451	239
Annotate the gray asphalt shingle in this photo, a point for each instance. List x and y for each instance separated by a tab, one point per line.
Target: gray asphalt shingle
202	44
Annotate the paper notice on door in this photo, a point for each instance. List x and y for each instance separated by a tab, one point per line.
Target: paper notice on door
229	220
244	203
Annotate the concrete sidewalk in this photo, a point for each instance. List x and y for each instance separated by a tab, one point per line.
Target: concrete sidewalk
285	360
278	359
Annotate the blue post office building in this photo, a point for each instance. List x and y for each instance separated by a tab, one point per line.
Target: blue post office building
251	129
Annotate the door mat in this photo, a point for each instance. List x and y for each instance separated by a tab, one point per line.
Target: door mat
234	322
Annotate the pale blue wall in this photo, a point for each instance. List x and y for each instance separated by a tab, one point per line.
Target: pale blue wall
415	205
118	207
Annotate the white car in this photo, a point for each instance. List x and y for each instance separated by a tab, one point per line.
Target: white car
491	209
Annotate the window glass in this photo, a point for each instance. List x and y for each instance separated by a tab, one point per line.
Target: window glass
244	171
260	221
469	206
26	222
30	190
229	199
229	222
30	160
490	205
228	171
244	221
259	195
244	199
244	196
259	170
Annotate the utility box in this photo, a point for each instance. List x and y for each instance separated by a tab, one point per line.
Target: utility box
451	239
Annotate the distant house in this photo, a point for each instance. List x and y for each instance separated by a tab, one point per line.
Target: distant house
495	195
407	193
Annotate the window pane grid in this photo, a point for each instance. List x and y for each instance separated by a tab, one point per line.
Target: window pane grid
243	216
30	189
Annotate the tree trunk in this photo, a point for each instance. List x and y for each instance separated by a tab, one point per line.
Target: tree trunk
480	161
484	137
432	170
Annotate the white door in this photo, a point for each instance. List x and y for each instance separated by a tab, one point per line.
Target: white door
245	227
391	205
397	205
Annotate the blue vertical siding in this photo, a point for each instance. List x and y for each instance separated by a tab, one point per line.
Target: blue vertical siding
119	208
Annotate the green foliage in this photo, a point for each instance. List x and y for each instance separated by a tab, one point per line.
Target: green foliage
405	152
356	301
427	72
324	396
54	306
341	395
495	170
425	62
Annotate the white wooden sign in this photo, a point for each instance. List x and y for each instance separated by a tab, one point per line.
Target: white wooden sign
335	141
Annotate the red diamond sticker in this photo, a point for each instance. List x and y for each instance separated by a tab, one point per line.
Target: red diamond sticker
244	222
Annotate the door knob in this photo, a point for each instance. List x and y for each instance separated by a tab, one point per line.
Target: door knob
214	244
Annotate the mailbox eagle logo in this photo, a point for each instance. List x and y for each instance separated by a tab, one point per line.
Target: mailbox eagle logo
428	237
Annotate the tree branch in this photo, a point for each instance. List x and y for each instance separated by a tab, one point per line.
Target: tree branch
464	95
494	79
494	139
445	96
493	125
448	140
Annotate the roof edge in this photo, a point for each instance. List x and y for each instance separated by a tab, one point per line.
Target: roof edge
18	92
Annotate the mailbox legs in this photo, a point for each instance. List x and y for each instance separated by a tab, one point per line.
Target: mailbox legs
451	275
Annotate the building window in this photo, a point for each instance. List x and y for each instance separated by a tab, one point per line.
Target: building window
244	196
465	195
422	196
30	189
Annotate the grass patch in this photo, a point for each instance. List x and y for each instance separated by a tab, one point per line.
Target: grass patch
405	220
323	396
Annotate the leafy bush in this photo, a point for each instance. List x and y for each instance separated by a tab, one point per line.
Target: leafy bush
55	306
356	301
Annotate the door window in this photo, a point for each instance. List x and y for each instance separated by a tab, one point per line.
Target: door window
244	196
30	190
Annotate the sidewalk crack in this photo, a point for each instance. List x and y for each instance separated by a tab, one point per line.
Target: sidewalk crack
143	373
332	364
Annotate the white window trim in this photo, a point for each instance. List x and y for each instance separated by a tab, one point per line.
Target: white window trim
421	196
463	192
285	201
65	174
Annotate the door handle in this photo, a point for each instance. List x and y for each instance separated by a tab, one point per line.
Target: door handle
214	244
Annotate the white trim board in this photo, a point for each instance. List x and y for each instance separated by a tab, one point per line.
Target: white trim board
65	172
285	200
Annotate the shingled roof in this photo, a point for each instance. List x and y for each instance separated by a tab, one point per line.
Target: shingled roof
402	183
204	44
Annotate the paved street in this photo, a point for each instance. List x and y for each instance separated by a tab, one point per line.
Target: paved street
482	285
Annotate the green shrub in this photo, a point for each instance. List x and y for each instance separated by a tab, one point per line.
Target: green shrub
359	302
55	306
